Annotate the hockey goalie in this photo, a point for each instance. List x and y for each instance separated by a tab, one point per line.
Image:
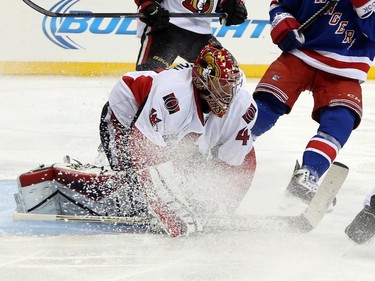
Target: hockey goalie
177	145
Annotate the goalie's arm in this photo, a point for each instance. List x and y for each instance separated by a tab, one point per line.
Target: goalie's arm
229	138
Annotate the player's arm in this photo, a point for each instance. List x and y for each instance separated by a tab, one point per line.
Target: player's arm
365	11
364	8
231	134
155	15
161	187
145	153
155	175
236	12
157	181
228	140
284	26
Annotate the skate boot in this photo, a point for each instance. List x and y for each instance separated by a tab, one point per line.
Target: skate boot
302	184
362	228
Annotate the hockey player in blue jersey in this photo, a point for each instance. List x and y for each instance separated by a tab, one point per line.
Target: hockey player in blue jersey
330	58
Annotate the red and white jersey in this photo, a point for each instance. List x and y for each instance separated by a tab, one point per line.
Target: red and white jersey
163	107
197	24
229	137
201	25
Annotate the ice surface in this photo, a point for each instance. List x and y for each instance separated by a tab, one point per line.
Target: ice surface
44	118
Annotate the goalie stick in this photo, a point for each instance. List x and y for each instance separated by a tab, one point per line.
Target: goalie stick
304	222
114	15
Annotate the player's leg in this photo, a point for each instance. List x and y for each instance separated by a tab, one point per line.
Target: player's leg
71	189
338	109
158	48
278	90
193	43
336	125
270	108
38	192
114	136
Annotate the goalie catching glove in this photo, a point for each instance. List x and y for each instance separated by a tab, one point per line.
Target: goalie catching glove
154	14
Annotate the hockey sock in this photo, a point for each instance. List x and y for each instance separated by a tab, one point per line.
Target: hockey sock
337	122
269	111
336	125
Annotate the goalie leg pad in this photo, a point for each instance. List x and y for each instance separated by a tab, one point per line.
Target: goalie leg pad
167	203
38	192
69	189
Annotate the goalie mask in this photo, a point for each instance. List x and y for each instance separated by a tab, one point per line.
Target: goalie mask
216	72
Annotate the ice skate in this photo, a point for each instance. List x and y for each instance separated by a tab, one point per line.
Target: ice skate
362	228
302	184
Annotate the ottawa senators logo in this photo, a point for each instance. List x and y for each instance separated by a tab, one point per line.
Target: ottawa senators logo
250	114
154	120
171	103
210	65
199	6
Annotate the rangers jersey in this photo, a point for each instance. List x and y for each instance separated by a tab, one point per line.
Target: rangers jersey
342	41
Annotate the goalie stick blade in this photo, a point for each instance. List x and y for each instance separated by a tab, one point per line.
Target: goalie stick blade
113	15
263	224
76	218
237	223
